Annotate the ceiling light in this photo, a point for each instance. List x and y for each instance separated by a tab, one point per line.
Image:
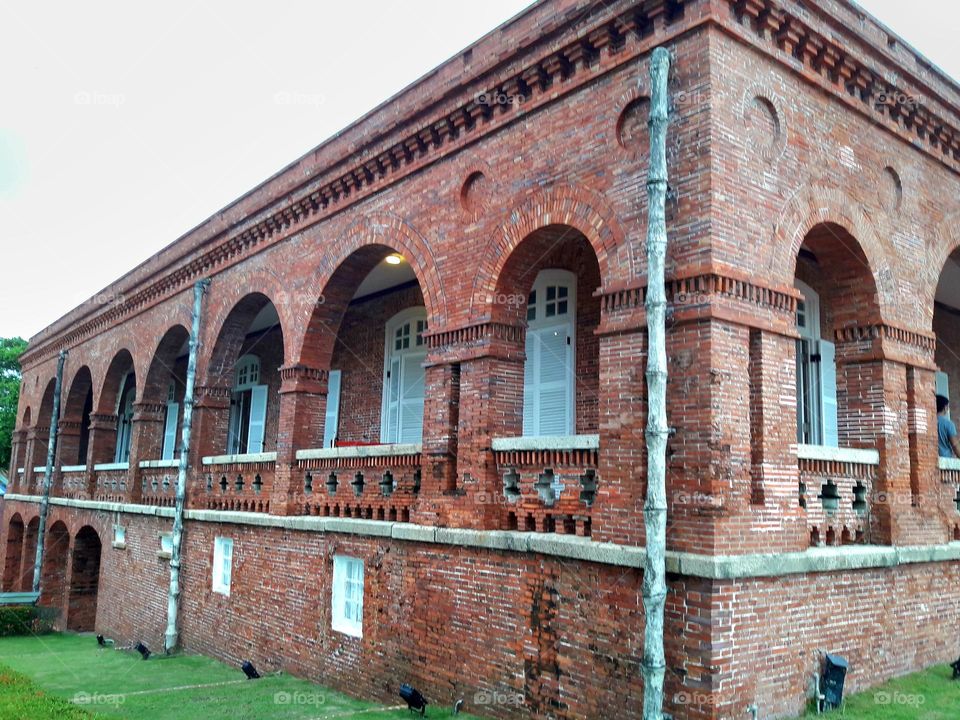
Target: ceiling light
394	259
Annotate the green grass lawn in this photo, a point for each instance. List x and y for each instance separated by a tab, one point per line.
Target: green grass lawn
926	695
72	675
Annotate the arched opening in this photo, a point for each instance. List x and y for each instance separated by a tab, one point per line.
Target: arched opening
370	332
14	554
28	559
19	460
75	425
115	407
54	570
946	326
246	359
41	429
548	285
165	387
84	580
838	293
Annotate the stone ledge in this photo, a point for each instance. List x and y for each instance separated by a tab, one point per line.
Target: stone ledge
719	567
160	463
546	442
360	451
245	459
836	454
112	466
949	463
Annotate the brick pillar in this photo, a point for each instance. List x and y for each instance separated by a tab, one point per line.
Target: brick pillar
101	446
146	441
18	457
932	501
303	404
36	456
475	381
211	417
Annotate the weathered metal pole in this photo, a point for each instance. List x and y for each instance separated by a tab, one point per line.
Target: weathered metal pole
655	506
48	471
173	596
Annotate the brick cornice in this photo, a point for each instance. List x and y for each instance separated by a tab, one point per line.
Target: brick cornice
300	378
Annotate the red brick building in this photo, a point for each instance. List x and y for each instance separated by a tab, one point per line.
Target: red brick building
419	435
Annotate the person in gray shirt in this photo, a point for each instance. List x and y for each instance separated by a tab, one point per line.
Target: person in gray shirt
948	444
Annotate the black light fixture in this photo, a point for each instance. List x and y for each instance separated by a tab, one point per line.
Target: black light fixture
143	650
956	668
458	706
415	701
249	670
831	684
104	642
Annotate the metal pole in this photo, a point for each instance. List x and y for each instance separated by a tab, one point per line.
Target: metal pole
48	471
655	506
173	597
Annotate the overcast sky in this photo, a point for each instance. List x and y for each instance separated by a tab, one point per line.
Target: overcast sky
123	125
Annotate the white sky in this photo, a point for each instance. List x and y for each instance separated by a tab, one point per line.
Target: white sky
123	125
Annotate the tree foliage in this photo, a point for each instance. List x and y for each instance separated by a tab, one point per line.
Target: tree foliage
10	351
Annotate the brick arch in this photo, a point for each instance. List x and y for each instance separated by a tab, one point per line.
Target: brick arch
160	365
13	553
105	401
224	297
944	243
76	388
25	418
358	249
577	208
822	205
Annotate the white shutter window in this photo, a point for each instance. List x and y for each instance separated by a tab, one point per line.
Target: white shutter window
392	416
828	393
549	372
412	378
170	431
332	417
222	565
258	418
347	595
943	384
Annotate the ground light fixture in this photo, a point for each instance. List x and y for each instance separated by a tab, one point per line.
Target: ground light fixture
956	668
394	259
415	701
249	670
143	650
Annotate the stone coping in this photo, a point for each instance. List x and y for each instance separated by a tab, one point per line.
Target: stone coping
73	468
834	454
361	451
112	466
712	567
547	442
173	462
240	459
949	463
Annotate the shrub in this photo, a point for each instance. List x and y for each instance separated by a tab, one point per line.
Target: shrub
25	620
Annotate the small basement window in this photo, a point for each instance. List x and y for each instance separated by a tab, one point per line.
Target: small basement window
166	544
347	616
222	565
119	536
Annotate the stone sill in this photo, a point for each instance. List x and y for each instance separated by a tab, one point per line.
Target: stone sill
245	459
41	469
73	468
163	555
175	462
119	545
833	454
547	442
949	463
360	451
112	466
20	471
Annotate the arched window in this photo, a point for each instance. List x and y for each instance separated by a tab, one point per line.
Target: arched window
248	408
548	373
403	377
125	418
816	375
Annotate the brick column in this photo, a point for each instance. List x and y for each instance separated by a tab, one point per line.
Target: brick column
211	417
146	441
18	444
441	414
36	456
68	443
303	405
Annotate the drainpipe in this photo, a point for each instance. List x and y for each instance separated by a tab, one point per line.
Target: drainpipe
48	471
173	596
655	506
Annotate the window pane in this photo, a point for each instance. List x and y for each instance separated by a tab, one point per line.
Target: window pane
551	292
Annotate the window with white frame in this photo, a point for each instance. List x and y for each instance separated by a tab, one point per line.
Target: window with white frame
170	424
943	384
403	377
222	565
331	418
125	418
347	600
119	535
816	375
548	372
166	543
248	408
